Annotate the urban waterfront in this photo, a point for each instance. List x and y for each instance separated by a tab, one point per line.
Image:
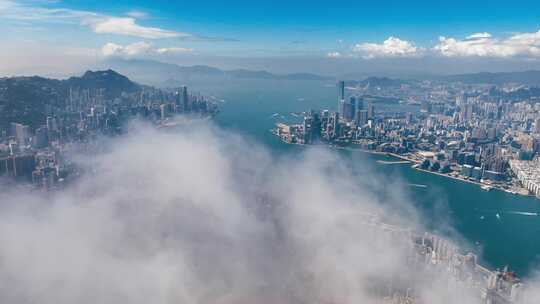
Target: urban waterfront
503	228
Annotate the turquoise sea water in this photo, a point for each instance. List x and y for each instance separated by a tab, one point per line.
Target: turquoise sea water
503	228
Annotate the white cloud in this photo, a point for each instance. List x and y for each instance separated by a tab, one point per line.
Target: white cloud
138	48
112	49
391	47
137	14
99	23
129	27
479	35
172	50
212	219
14	10
334	55
485	45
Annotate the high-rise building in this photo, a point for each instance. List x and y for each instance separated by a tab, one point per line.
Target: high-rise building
52	124
41	139
371	110
341	95
537	126
348	109
163	111
467	112
185	99
18	165
20	132
361	117
335	125
359	103
312	128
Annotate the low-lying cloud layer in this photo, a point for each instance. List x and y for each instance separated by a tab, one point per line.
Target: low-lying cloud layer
203	216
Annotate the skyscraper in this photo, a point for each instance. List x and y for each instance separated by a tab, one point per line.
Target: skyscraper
361	117
335	125
370	110
341	95
20	132
359	103
185	99
348	109
41	139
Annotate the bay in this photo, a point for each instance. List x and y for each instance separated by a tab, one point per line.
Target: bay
502	228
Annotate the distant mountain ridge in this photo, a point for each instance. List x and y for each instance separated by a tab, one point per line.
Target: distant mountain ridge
168	74
531	77
528	78
381	82
160	73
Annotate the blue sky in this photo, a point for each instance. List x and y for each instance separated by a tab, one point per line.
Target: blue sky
225	32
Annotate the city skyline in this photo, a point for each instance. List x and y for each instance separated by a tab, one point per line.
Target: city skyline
395	38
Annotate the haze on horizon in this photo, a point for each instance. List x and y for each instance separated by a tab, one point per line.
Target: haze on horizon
60	38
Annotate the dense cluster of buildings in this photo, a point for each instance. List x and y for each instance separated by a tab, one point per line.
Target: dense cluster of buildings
37	154
528	173
471	132
443	264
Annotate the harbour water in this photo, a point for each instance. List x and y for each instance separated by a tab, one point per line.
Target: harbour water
504	229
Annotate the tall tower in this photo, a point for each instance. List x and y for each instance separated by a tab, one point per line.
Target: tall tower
341	95
185	99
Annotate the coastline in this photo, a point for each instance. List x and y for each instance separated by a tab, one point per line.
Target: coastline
415	165
458	178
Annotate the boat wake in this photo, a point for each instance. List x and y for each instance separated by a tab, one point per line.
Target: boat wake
417	185
523	213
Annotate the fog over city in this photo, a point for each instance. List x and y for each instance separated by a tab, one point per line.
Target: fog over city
206	216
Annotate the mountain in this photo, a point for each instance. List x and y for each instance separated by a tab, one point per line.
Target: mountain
167	74
28	100
381	82
113	83
527	78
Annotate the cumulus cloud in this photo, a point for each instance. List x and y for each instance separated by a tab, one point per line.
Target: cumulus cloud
485	45
204	216
391	47
138	48
112	49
